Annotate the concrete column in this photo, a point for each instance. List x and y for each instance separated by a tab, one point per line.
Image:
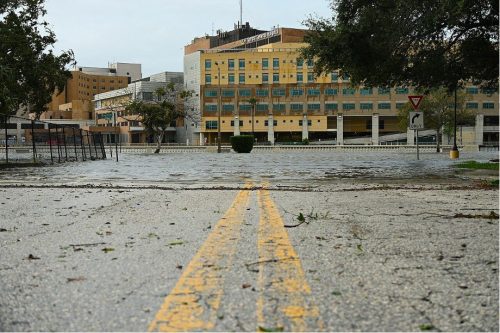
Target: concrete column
236	130
19	132
375	130
340	129
410	137
270	129
305	128
479	129
202	139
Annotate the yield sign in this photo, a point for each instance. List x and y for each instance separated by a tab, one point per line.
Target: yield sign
415	101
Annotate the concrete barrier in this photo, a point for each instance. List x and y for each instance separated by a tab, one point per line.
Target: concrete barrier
278	148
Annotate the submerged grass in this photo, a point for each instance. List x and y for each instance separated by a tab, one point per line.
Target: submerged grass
477	165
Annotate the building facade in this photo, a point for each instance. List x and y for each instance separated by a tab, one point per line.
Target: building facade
110	107
261	85
75	101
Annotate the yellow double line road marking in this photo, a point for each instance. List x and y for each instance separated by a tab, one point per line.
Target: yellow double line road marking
193	303
284	299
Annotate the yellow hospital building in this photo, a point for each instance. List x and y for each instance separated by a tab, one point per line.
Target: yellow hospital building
262	86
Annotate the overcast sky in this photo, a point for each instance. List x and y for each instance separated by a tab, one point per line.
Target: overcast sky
154	32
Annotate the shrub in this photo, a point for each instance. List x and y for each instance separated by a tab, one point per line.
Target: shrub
242	143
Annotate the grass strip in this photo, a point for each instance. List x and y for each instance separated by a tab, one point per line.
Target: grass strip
477	165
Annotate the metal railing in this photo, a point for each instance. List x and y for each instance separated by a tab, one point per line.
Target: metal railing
23	140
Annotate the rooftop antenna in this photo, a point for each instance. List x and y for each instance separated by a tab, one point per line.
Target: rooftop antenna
241	12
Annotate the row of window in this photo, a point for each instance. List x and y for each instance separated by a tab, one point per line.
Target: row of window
266	77
475	91
475	105
212	124
94	87
95	80
212	107
266	122
302	91
265	63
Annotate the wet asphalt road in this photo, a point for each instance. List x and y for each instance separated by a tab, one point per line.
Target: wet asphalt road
334	254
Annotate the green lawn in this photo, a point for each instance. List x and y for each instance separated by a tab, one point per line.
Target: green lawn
477	165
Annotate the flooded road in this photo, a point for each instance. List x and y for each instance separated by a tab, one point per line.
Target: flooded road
270	241
209	169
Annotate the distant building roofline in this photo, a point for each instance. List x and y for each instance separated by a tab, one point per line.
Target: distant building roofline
248	38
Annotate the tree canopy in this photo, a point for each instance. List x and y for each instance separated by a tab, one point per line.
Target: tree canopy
30	72
422	43
156	116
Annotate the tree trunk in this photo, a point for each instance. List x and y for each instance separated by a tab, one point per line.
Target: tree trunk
438	137
159	139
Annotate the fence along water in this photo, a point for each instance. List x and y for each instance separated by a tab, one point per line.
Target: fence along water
25	140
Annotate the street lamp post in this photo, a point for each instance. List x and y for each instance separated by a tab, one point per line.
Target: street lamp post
454	154
219	150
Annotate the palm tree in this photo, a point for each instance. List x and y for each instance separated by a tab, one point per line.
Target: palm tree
253	102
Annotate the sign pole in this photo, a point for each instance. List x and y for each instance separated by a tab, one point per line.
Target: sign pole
109	140
418	152
115	123
415	122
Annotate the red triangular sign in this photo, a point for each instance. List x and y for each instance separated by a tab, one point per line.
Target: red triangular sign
415	101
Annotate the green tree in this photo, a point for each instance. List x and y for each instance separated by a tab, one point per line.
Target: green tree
29	70
421	43
159	114
438	107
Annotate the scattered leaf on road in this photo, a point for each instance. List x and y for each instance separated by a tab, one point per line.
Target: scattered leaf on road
271	329
426	327
108	249
32	257
301	217
75	279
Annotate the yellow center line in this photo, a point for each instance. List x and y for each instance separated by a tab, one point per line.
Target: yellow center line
284	299
193	303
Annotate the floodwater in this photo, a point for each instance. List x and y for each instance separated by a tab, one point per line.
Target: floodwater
287	168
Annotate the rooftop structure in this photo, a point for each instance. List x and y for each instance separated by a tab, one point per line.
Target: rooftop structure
133	71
